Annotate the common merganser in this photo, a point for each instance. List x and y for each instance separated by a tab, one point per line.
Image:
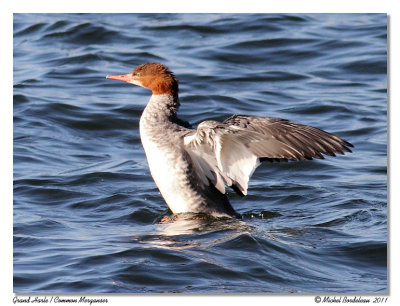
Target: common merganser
192	166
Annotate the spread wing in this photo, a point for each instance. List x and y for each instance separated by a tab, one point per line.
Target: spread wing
228	153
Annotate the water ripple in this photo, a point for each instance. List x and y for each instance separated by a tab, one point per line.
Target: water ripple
89	218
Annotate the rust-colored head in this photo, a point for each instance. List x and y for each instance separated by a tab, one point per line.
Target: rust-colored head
154	76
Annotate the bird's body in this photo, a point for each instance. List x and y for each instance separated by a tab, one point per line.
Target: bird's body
191	167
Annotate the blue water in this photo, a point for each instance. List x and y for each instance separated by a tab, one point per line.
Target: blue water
86	210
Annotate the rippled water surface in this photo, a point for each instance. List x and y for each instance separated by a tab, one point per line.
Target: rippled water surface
86	211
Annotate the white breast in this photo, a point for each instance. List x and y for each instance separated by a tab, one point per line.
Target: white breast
169	177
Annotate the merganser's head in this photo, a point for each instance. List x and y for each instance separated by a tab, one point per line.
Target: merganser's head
154	76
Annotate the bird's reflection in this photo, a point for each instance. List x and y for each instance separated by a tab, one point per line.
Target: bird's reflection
189	223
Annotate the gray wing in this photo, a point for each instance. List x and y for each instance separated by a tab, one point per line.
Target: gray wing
228	153
311	142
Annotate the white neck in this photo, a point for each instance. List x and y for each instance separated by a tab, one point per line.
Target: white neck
161	107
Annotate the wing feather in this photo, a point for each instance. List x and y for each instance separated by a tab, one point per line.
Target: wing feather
228	153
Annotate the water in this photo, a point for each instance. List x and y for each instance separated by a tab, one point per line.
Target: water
86	211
